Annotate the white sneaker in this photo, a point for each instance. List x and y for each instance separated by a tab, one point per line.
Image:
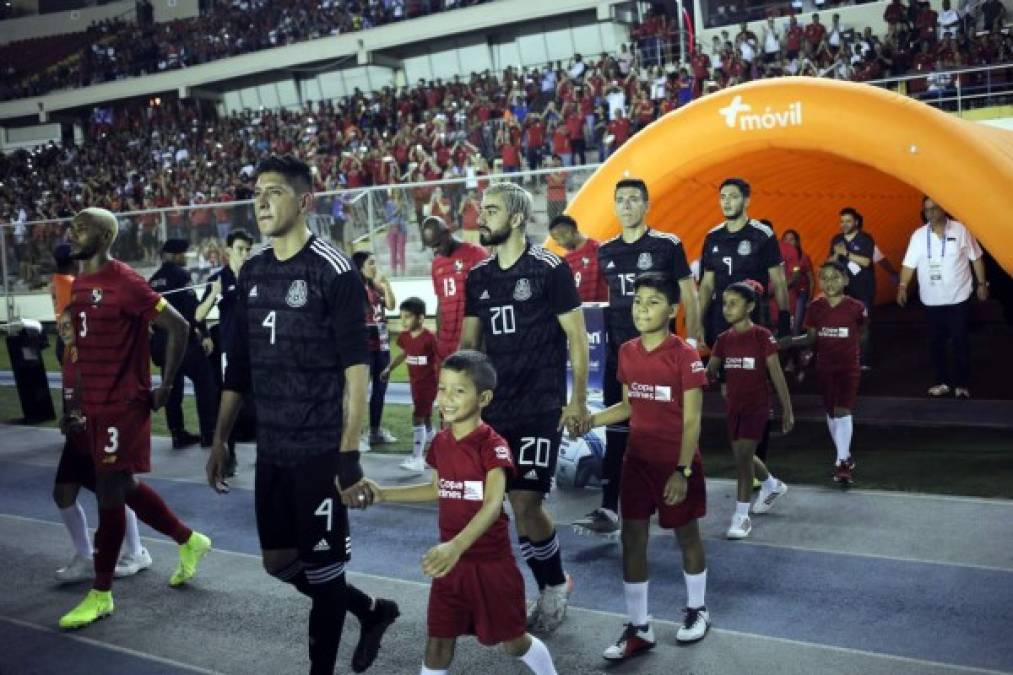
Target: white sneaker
382	436
740	528
534	614
694	627
413	464
129	565
634	640
765	500
553	603
79	568
364	446
939	390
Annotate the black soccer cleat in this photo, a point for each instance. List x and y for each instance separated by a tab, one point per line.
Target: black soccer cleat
184	439
385	613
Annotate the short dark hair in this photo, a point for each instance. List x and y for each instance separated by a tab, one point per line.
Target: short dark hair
360	258
743	290
853	212
662	282
563	220
238	234
413	305
295	171
837	265
475	365
740	183
632	183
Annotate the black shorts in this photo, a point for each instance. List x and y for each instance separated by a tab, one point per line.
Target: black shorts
76	466
534	443
299	507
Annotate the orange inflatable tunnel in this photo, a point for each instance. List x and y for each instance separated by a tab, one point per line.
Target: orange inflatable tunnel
810	147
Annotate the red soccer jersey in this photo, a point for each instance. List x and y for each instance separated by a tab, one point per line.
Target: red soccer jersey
111	309
656	381
744	356
838	330
420	354
461	466
583	261
449	275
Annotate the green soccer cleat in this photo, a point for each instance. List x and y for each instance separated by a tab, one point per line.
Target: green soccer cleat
190	554
96	605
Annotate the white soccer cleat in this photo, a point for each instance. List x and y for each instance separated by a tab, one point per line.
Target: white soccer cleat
634	640
553	604
79	568
740	528
129	565
694	627
414	465
765	500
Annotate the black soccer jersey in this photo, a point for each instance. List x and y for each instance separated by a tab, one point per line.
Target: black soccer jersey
861	284
737	256
299	323
620	263
518	308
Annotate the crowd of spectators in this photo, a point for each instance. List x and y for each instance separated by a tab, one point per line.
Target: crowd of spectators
168	153
120	50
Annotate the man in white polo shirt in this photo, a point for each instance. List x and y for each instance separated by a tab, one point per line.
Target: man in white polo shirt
940	251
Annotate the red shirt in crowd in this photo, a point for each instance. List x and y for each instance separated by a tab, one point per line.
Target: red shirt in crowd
620	128
583	261
560	141
793	38
536	134
744	357
449	275
461	466
511	155
814	33
111	309
838	330
421	357
656	380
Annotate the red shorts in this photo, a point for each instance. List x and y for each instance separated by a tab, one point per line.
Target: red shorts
839	388
121	439
484	598
747	423
76	466
422	400
642	492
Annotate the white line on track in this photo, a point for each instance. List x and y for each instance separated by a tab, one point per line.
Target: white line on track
105	645
419	584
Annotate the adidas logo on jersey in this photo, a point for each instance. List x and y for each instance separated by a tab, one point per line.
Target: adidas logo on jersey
322	545
253	291
531	475
484	296
610	266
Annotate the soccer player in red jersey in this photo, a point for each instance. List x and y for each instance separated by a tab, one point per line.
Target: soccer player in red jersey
834	324
76	470
112	307
418	348
748	353
477	587
582	256
451	264
663	380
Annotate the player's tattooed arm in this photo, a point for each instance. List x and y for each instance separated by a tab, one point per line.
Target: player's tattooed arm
575	414
173	323
690	301
471	333
705	295
806	340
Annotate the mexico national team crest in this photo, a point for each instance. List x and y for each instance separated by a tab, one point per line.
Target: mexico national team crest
96	296
745	248
297	294
644	262
522	291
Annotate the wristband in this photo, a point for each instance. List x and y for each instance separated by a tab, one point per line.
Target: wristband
349	469
784	322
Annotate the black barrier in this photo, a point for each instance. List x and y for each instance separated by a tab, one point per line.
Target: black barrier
25	349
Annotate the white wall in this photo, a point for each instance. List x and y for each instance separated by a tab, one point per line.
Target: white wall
76	21
14	138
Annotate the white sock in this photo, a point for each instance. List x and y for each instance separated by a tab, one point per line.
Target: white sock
538	658
432	671
132	538
842	437
832	426
77	527
418	441
696	589
430	434
742	508
636	601
770	484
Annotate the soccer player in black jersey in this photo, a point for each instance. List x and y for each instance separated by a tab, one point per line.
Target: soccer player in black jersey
635	250
299	343
740	248
522	307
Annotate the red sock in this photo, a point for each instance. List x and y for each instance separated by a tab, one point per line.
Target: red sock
112	526
150	508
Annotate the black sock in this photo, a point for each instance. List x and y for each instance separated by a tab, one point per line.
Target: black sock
359	604
527	554
550	561
327	616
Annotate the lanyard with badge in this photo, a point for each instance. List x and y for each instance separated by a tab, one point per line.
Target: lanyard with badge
935	266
